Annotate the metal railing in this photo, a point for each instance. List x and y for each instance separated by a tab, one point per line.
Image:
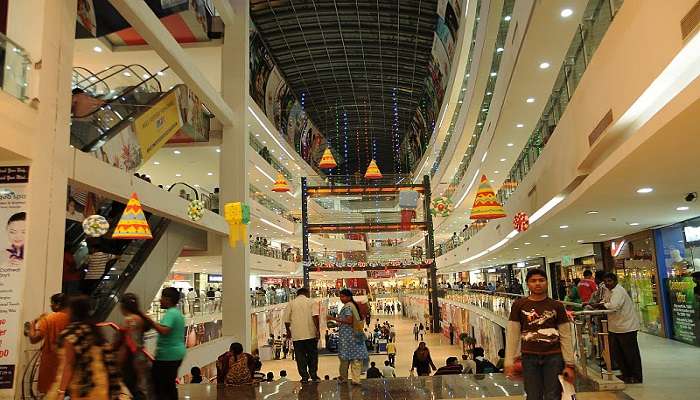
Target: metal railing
269	203
267	251
14	76
264	152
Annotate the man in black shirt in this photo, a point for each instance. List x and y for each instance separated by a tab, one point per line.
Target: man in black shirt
373	371
452	367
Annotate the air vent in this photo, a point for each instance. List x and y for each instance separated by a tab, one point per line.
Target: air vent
600	128
690	21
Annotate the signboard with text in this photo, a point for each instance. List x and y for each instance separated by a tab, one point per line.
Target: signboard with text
685	309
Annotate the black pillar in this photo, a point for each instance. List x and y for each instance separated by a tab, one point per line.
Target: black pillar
433	305
306	259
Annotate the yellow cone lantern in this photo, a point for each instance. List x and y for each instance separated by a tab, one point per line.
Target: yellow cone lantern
327	160
486	205
132	224
280	185
373	171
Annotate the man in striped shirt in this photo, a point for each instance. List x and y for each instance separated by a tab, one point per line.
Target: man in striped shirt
96	268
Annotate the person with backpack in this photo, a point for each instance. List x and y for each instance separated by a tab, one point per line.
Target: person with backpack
351	338
422	362
483	366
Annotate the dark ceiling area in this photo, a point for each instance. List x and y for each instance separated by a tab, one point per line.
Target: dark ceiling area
353	57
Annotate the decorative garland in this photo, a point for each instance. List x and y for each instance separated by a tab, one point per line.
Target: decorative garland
195	210
521	222
441	206
95	225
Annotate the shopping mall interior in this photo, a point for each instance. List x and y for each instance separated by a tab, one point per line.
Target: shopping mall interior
427	155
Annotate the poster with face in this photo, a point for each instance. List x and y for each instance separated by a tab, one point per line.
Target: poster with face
13	229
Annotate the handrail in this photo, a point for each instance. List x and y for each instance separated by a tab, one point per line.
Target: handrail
196	193
98	73
116	327
129	67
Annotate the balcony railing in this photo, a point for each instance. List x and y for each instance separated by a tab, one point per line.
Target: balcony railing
270	203
15	67
264	152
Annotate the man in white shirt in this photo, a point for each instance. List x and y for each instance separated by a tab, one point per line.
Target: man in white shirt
191	299
301	320
217	300
623	325
388	371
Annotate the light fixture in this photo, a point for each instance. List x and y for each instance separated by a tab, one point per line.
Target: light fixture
146	76
210	173
592	212
579	241
176	151
544	236
527	243
499	50
156	163
562	246
603	234
530	100
544	65
516	248
633	224
270	133
566	13
126	73
507	18
682	208
496	172
97	49
218	150
510	145
492	74
178	175
160	73
563	226
519	125
502	160
645	190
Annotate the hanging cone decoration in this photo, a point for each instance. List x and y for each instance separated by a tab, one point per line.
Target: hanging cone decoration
280	185
132	224
238	216
373	171
327	160
486	206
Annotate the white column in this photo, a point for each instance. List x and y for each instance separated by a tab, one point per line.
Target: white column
233	174
48	175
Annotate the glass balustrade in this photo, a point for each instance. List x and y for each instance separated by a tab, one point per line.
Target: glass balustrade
16	66
264	152
267	202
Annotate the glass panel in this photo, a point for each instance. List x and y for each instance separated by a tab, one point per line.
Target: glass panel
15	64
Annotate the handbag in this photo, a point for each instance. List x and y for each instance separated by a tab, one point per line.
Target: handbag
568	392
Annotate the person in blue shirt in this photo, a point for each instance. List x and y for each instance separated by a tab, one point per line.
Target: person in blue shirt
170	347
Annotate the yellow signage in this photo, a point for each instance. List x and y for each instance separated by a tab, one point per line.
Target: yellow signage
157	125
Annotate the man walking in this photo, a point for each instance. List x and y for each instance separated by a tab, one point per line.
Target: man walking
623	325
415	332
301	321
542	327
452	335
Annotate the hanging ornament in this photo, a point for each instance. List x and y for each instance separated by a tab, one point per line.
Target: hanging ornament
132	224
195	210
441	206
95	225
373	171
486	206
521	222
238	216
280	185
327	160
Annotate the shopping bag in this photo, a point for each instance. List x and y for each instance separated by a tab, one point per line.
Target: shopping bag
568	392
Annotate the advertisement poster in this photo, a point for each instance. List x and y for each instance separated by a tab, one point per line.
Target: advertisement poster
157	125
86	16
685	309
13	201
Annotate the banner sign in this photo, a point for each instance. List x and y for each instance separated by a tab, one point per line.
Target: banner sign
685	309
157	125
13	216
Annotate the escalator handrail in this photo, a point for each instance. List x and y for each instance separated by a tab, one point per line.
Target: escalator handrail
129	67
196	192
84	77
98	73
89	147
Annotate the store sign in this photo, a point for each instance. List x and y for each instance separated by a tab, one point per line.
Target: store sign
157	125
685	310
13	216
692	233
214	278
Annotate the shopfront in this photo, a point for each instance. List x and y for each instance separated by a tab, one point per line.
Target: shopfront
678	255
634	262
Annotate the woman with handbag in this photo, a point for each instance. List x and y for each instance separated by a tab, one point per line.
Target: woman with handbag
351	338
135	365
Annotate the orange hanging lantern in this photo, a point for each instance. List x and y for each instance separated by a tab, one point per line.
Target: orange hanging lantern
373	171
280	185
327	160
486	206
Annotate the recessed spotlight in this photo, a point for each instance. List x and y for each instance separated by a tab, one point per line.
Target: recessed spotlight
196	185
499	50
218	150
160	73
97	49
502	159
566	13
496	172
510	145
519	125
146	76
530	100
579	241
645	190
603	234
491	181
493	74
563	226
562	246
210	173
592	212
544	236
516	248
176	152
156	163
178	175
682	208
127	73
507	18
544	65
527	243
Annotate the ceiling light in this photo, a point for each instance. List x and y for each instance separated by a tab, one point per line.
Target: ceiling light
603	234
270	133
516	248
218	150
97	49
645	190
196	185
544	236
156	163
210	173
562	246
491	181
127	73
502	159
544	65
633	223
519	125
146	76
178	175
492	74
592	212
507	18
496	172
176	151
563	226
566	13
160	73
499	50
527	243
530	100
579	241
682	208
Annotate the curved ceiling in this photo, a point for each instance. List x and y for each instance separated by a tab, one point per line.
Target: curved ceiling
351	57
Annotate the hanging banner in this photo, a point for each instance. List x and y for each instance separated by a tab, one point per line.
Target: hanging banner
157	125
13	216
